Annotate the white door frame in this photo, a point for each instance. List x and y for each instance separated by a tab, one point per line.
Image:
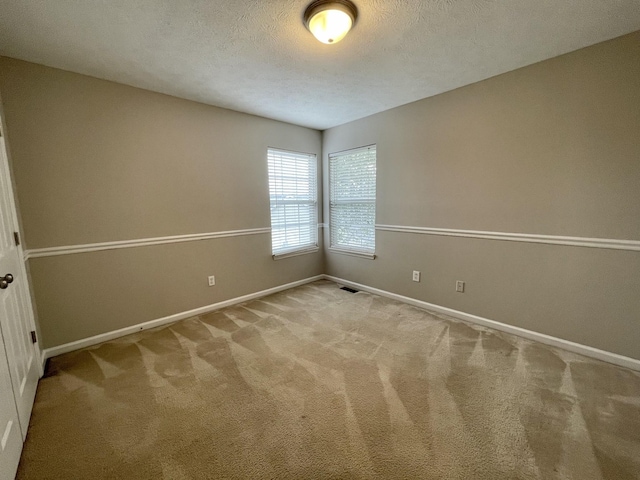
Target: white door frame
4	151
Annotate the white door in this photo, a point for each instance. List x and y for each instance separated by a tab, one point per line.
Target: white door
16	315
10	439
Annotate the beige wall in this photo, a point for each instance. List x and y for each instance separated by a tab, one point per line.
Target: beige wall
95	161
548	149
553	149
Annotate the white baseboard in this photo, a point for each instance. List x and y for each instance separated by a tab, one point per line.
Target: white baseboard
573	347
585	350
104	337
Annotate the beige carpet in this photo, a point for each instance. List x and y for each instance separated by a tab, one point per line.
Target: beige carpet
319	383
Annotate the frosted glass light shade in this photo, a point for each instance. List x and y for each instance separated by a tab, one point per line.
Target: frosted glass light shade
330	21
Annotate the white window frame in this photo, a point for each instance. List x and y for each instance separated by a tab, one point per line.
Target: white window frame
282	185
335	203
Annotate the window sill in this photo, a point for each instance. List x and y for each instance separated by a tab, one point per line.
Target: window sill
295	253
353	253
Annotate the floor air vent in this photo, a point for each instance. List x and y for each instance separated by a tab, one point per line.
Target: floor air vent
350	290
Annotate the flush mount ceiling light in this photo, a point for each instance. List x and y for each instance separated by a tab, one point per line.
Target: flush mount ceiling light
330	21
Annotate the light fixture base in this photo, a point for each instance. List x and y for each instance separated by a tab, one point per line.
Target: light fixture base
321	17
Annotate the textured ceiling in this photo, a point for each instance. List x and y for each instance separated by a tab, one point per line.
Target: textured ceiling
256	56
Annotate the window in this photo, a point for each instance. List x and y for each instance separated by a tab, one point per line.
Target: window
352	205
293	195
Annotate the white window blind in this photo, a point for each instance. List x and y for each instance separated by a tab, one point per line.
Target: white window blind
293	195
352	206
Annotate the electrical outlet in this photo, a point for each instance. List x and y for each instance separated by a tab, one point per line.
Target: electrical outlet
460	286
416	276
212	281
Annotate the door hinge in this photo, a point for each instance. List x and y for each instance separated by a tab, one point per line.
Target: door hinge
16	237
34	339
